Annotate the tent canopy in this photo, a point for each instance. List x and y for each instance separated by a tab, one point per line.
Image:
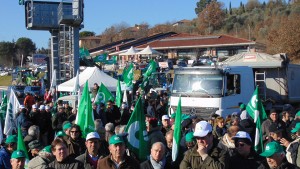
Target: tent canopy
93	75
255	60
130	51
149	51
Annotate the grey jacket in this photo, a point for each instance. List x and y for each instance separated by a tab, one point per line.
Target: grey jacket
38	162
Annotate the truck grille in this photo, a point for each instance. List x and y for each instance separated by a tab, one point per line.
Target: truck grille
202	112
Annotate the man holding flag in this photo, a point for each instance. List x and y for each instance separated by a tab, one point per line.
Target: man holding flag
205	154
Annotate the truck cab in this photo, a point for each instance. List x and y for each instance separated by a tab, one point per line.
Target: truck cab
204	90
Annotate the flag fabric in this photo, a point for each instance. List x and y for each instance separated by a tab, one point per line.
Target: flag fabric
85	115
76	86
255	104
128	75
113	60
52	85
83	52
119	94
137	134
12	108
21	2
3	108
151	68
21	143
125	100
177	131
103	95
257	112
145	82
100	58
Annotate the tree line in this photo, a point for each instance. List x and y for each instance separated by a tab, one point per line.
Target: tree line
275	23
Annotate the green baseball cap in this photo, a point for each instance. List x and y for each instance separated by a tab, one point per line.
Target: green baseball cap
67	126
115	139
189	137
272	148
297	127
60	134
18	154
47	149
243	106
11	139
298	113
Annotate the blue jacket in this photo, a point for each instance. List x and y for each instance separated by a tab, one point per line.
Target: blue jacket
4	159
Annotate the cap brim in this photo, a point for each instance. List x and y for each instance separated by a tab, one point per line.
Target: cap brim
201	133
116	142
267	154
294	130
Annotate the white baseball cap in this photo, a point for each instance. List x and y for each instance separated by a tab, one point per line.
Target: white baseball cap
242	134
92	135
202	129
47	107
34	106
165	117
42	107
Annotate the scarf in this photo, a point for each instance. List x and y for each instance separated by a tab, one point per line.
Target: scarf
158	165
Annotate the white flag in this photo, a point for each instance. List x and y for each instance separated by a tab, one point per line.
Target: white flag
12	108
53	84
76	86
125	100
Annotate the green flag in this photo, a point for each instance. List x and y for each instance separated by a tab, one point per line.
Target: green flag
119	94
145	82
177	130
128	75
113	60
255	104
137	134
83	52
85	116
256	110
21	2
103	95
100	58
21	143
152	68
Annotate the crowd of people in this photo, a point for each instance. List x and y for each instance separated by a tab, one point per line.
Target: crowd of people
53	140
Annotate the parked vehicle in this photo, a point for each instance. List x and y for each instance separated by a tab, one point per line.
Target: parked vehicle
204	90
3	73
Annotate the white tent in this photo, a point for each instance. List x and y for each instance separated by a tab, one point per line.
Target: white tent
130	51
93	75
149	51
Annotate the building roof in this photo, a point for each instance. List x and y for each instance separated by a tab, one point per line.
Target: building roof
195	41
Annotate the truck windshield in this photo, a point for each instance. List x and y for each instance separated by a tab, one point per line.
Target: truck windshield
198	85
